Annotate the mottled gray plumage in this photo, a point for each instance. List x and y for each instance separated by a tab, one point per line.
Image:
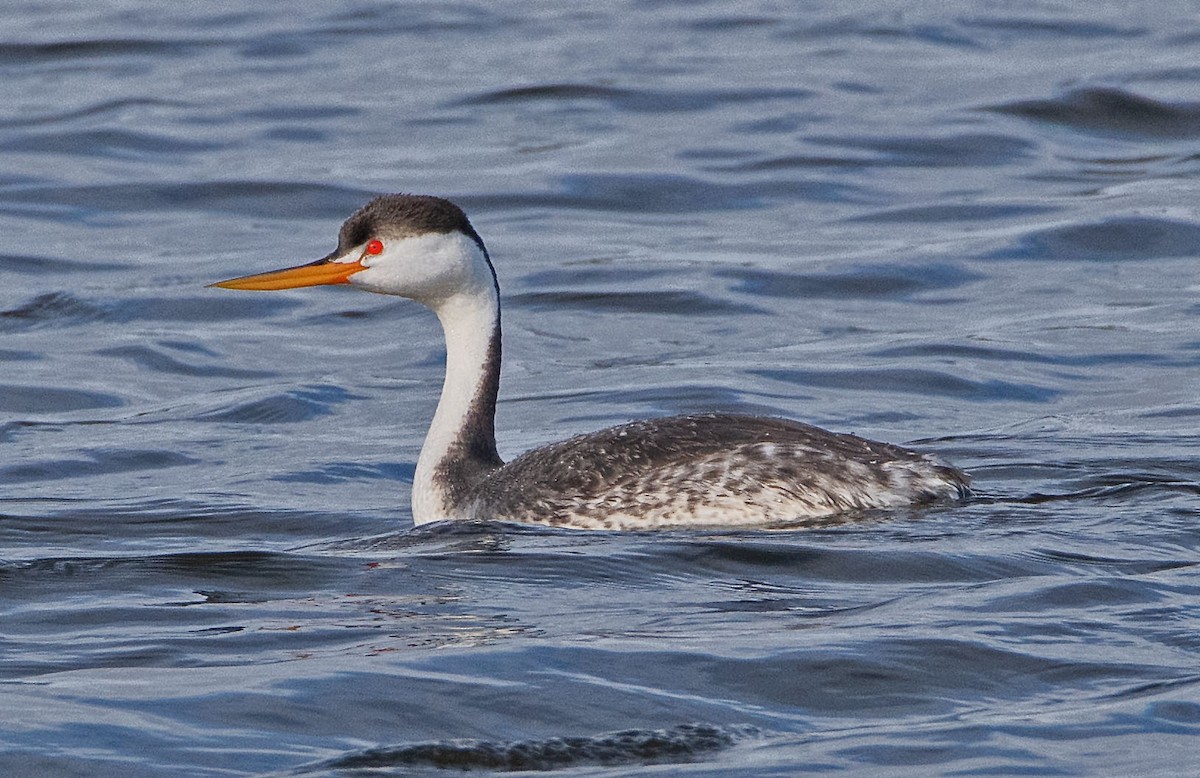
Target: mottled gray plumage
708	469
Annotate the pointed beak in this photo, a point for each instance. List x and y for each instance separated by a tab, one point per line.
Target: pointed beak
318	273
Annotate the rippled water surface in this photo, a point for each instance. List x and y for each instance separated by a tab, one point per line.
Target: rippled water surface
970	227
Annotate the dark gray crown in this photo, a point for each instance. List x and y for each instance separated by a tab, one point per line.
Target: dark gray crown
404	216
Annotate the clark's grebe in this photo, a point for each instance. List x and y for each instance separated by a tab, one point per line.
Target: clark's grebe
698	470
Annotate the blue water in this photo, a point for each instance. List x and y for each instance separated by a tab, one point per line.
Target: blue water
970	227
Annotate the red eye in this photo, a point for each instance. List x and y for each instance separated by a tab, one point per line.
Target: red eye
374	247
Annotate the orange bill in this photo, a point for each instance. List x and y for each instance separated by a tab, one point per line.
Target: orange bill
314	274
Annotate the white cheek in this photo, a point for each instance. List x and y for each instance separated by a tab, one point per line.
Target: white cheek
427	268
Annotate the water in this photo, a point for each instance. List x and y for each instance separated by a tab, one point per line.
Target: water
971	228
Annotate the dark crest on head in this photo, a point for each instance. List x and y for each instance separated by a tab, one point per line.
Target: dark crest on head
403	216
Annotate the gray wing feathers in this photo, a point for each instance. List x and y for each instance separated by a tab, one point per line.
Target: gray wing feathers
681	468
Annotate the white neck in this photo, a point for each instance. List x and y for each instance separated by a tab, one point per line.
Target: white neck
460	447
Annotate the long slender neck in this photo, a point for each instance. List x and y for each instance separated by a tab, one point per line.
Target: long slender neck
460	448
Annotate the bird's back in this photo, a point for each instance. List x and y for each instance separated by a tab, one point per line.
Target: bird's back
709	469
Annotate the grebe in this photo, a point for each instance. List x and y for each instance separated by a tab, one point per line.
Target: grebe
698	470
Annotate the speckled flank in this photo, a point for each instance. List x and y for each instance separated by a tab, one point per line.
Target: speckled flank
709	470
